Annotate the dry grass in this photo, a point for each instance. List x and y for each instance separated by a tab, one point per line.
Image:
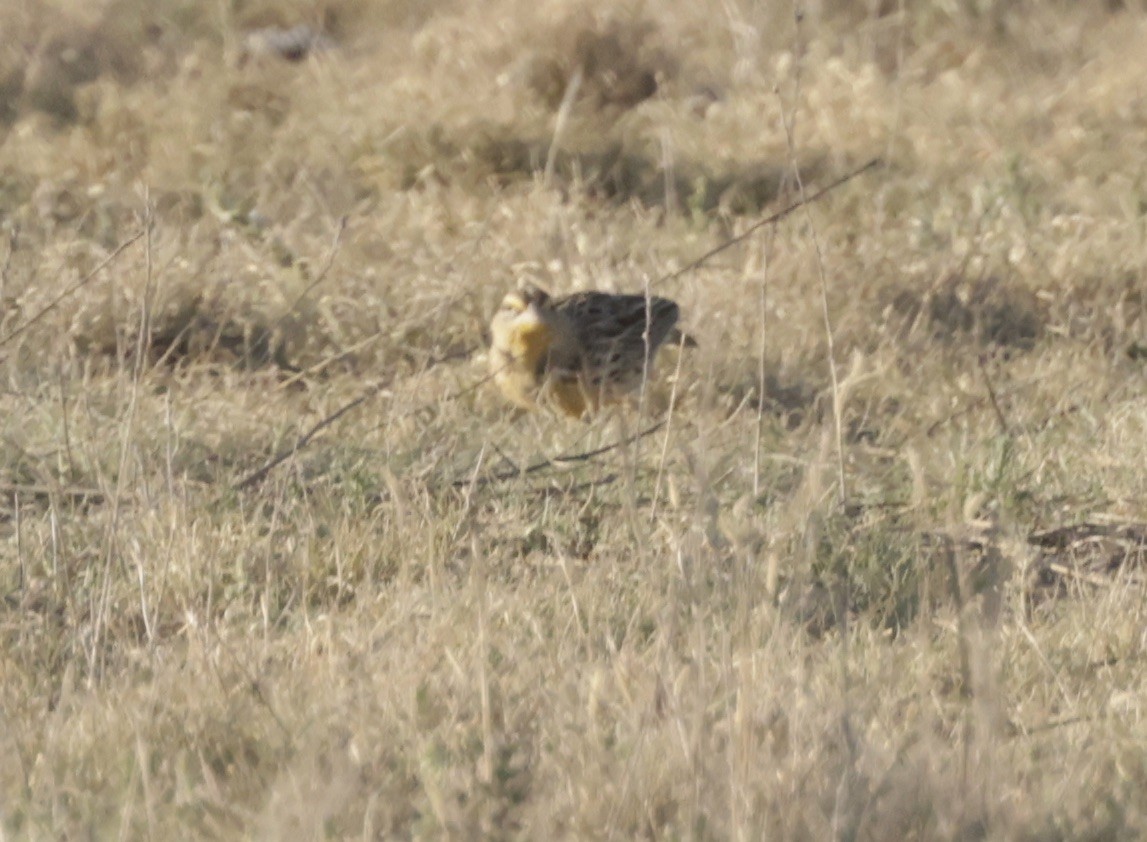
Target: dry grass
698	634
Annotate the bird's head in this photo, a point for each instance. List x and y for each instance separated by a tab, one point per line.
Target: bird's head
522	326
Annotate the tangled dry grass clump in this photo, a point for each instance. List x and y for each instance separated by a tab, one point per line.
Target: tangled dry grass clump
277	560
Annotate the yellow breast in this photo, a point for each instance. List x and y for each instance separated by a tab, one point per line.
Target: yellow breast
534	363
569	397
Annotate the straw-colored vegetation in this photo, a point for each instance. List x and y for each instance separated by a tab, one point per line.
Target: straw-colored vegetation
878	575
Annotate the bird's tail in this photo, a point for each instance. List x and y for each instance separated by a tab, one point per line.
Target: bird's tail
680	338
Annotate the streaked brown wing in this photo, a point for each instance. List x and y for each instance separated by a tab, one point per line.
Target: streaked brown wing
602	317
612	330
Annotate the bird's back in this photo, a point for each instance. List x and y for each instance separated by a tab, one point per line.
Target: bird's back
618	334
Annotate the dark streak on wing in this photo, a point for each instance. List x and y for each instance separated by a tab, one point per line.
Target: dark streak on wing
604	320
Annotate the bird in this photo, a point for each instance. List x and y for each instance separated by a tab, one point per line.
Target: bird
576	354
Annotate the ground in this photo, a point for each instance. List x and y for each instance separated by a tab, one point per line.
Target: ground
277	561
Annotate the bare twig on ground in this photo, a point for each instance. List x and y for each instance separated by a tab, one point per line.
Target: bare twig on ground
557	460
769	220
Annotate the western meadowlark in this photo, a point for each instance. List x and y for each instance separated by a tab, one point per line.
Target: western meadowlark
578	353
